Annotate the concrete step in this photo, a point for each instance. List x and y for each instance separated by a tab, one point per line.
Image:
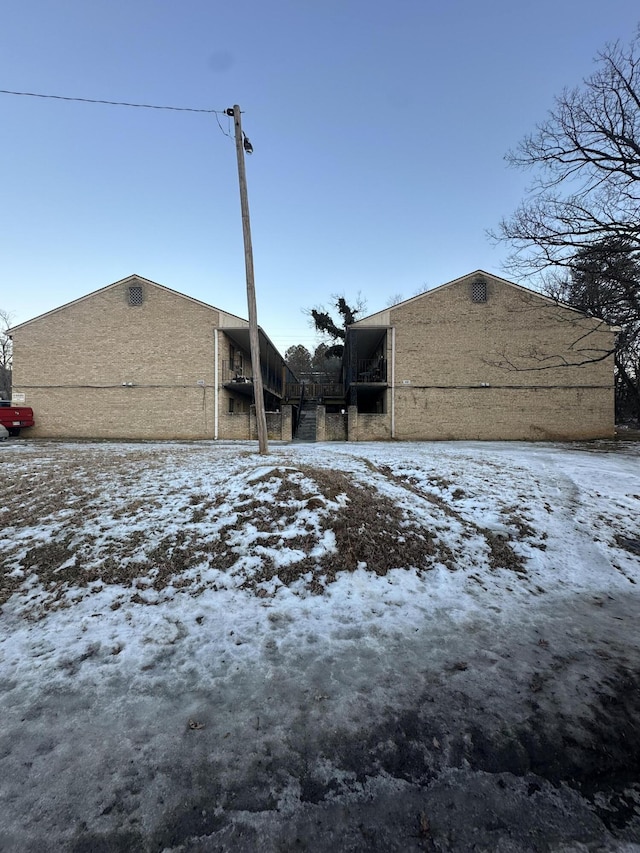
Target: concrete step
307	427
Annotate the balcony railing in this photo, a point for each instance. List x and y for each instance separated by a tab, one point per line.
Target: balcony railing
235	372
235	375
313	390
371	370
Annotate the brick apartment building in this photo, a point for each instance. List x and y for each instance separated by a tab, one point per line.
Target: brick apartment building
477	358
137	360
480	358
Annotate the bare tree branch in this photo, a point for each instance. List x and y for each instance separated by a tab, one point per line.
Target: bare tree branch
6	355
577	232
586	162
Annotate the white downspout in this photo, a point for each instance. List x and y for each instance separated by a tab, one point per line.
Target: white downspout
215	385
393	382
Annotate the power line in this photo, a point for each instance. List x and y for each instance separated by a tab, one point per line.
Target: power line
112	103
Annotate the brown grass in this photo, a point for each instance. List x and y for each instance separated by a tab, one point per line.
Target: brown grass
121	545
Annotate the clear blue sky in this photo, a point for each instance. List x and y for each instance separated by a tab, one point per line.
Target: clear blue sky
379	131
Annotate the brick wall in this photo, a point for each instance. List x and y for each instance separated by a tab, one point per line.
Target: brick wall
274	426
102	368
506	368
330	426
335	427
368	427
131	413
286	424
278	425
234	426
503	413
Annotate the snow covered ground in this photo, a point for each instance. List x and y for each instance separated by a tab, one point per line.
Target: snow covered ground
346	647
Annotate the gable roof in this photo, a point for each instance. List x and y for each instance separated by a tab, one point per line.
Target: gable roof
384	317
130	278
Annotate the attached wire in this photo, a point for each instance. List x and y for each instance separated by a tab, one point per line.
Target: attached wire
114	103
228	131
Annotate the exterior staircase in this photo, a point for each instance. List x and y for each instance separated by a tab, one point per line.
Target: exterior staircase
307	427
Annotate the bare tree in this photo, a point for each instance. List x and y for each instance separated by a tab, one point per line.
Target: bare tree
394	299
578	230
6	356
586	158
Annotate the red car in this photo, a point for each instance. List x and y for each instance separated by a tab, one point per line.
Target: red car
15	418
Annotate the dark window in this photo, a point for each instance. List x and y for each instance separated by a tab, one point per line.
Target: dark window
232	405
479	291
135	294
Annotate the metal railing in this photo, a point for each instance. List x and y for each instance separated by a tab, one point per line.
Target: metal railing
299	412
271	378
371	370
313	390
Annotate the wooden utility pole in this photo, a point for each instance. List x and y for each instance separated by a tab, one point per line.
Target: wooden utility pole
241	143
